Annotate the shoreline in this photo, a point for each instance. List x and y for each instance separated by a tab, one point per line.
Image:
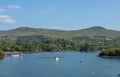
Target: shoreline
110	56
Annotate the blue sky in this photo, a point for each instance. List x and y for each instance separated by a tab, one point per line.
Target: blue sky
59	14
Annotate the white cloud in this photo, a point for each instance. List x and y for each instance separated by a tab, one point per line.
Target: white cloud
10	8
14	7
6	19
4	16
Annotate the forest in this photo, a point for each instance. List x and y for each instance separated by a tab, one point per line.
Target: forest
37	44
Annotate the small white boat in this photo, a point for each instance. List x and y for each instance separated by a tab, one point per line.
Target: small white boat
15	55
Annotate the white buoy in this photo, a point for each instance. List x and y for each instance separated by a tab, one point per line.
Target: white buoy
57	58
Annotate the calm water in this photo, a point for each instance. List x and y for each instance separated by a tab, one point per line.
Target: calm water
71	64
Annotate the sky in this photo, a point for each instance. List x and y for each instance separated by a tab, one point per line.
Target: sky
59	14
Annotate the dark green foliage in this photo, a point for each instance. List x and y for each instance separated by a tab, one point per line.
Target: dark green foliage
37	44
87	47
1	54
110	52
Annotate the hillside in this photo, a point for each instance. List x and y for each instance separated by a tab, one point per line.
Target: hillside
37	39
91	32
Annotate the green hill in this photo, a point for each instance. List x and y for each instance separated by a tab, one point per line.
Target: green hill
92	32
37	39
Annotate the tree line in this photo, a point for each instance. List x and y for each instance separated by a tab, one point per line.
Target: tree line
45	45
48	44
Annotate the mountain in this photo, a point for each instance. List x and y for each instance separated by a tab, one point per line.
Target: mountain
91	32
99	31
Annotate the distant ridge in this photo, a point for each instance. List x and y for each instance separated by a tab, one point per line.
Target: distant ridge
97	28
64	34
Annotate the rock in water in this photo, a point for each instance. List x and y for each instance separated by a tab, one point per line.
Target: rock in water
119	74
